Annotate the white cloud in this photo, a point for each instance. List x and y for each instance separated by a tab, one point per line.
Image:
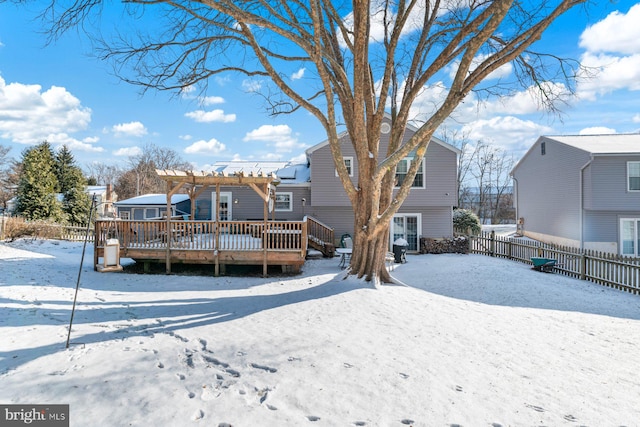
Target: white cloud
502	71
212	100
202	116
28	115
298	74
597	130
618	32
612	53
278	136
251	85
613	73
510	133
86	145
128	151
185	137
213	146
636	118
136	129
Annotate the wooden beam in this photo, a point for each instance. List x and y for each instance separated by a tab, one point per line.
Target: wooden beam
264	196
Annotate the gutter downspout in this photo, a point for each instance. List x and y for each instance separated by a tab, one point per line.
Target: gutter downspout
581	192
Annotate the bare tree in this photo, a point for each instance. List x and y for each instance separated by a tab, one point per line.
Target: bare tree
141	177
361	73
103	173
9	169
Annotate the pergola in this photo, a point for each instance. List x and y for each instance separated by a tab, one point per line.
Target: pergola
196	182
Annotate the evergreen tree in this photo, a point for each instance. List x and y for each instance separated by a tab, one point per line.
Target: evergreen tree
72	184
37	195
77	205
65	170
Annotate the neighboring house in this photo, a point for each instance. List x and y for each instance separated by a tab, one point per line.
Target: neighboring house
105	197
581	191
152	206
314	189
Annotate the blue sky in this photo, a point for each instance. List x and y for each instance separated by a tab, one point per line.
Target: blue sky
60	93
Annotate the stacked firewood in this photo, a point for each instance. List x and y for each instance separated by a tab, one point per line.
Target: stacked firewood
457	245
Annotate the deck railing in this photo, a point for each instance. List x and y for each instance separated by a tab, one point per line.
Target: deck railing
320	231
204	235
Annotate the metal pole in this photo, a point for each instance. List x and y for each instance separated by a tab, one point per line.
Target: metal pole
84	247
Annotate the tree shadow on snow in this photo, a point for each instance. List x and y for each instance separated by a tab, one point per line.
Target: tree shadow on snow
151	317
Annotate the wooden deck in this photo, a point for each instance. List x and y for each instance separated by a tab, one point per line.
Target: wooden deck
219	243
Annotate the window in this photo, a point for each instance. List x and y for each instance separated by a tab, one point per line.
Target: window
284	202
403	168
630	236
151	213
123	215
348	162
543	148
633	176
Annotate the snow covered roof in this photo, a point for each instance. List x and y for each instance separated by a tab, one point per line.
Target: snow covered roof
602	144
153	199
287	172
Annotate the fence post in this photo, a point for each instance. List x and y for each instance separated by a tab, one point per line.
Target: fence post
492	245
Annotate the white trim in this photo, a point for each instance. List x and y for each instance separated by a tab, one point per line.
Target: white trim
628	176
418	230
287	193
636	236
350	168
214	205
424	172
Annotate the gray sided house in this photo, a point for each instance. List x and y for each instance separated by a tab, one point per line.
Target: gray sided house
152	206
581	191
313	189
426	212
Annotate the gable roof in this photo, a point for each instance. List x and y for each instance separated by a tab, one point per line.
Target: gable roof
387	118
602	144
153	199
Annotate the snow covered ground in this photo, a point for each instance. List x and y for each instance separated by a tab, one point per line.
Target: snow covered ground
470	341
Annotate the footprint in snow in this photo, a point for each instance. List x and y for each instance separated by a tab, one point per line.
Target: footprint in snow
264	368
198	415
313	418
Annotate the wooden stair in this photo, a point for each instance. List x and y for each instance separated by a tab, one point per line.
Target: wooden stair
320	237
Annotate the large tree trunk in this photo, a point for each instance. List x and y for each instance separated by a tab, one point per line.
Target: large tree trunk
371	235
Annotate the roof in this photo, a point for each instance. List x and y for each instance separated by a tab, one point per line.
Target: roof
602	144
387	118
153	199
287	172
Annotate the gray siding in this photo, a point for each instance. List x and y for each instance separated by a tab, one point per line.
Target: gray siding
548	189
601	226
251	207
436	221
607	189
440	176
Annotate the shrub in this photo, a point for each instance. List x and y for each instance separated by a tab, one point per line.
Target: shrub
466	221
16	227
